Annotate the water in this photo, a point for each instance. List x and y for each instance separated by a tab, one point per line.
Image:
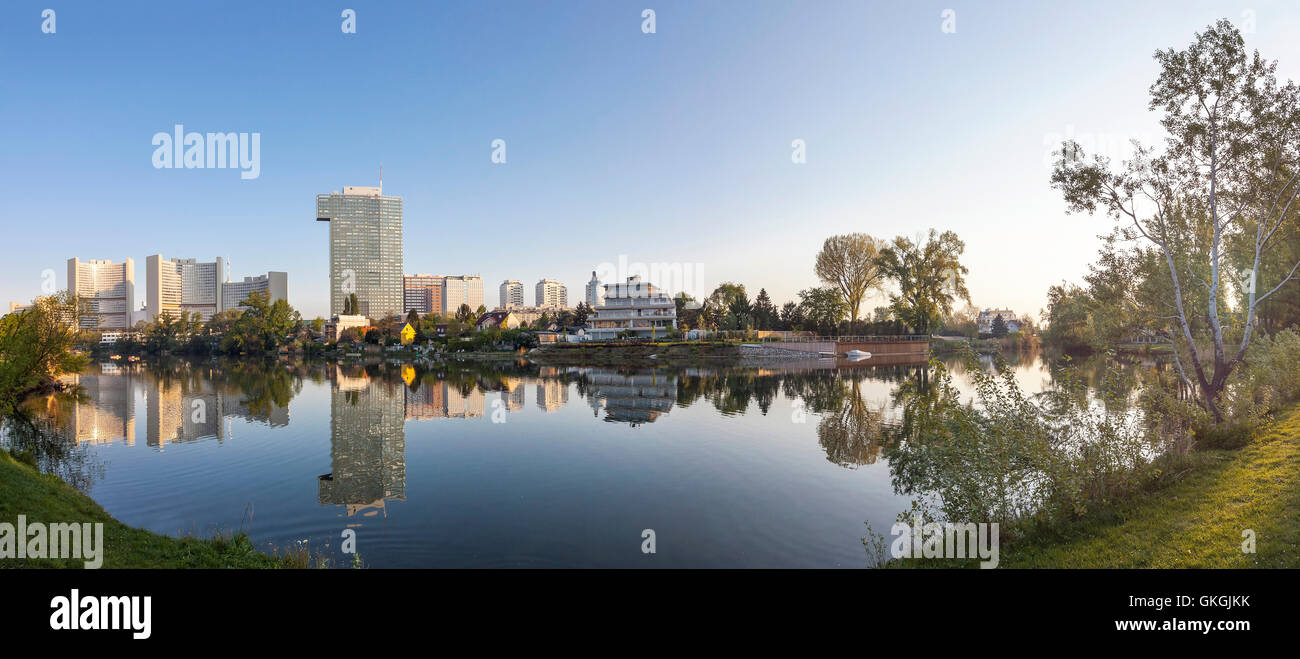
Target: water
496	465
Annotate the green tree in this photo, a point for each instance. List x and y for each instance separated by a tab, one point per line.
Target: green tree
465	315
929	276
852	264
765	314
998	327
263	326
822	309
1225	181
36	347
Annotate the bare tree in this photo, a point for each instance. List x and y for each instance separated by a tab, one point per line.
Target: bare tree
851	263
1227	175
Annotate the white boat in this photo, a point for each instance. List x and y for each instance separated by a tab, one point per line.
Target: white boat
857	355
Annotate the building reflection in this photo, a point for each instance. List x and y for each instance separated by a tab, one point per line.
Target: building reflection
633	398
107	414
367	445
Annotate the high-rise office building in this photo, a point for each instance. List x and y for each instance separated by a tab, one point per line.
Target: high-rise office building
274	284
512	294
595	292
423	293
176	285
551	293
365	249
107	291
463	289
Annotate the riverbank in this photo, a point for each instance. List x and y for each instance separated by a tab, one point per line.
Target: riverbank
47	498
1195	520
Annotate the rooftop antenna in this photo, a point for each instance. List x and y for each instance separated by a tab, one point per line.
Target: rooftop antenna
381	178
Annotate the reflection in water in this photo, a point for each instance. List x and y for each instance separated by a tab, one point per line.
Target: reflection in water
862	419
367	444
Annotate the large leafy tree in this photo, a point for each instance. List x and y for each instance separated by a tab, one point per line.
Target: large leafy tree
822	309
1220	193
36	346
263	326
929	276
851	263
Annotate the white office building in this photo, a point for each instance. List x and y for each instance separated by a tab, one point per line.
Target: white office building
512	294
551	293
106	290
176	285
463	289
274	284
634	305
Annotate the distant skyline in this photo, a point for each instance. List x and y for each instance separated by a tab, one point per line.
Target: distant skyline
672	147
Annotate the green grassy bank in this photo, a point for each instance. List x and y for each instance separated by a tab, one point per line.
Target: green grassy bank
46	498
1195	520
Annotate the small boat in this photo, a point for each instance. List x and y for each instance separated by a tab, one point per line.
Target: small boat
857	355
826	353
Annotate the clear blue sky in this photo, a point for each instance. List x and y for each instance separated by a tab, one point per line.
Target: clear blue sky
670	147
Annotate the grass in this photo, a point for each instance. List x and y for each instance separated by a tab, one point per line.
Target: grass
1196	521
46	498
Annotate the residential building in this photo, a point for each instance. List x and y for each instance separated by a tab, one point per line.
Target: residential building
462	289
337	325
634	305
500	319
595	292
530	315
15	307
551	293
107	291
365	249
512	294
423	293
984	321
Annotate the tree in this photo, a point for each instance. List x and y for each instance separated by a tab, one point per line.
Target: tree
465	315
413	319
580	313
791	316
765	315
852	264
729	306
822	309
929	276
263	326
998	327
36	346
1226	182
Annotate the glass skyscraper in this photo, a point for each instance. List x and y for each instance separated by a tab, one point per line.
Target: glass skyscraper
365	249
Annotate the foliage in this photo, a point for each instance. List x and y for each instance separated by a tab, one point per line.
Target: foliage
36	346
262	327
821	309
1218	200
929	276
852	264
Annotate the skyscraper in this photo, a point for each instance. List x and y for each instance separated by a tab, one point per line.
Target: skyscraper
107	291
365	249
551	293
176	285
512	294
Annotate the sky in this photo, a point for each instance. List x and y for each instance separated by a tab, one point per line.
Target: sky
673	147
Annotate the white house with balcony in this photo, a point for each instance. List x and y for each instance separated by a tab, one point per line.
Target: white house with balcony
633	305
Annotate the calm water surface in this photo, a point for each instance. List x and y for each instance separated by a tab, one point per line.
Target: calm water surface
497	465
